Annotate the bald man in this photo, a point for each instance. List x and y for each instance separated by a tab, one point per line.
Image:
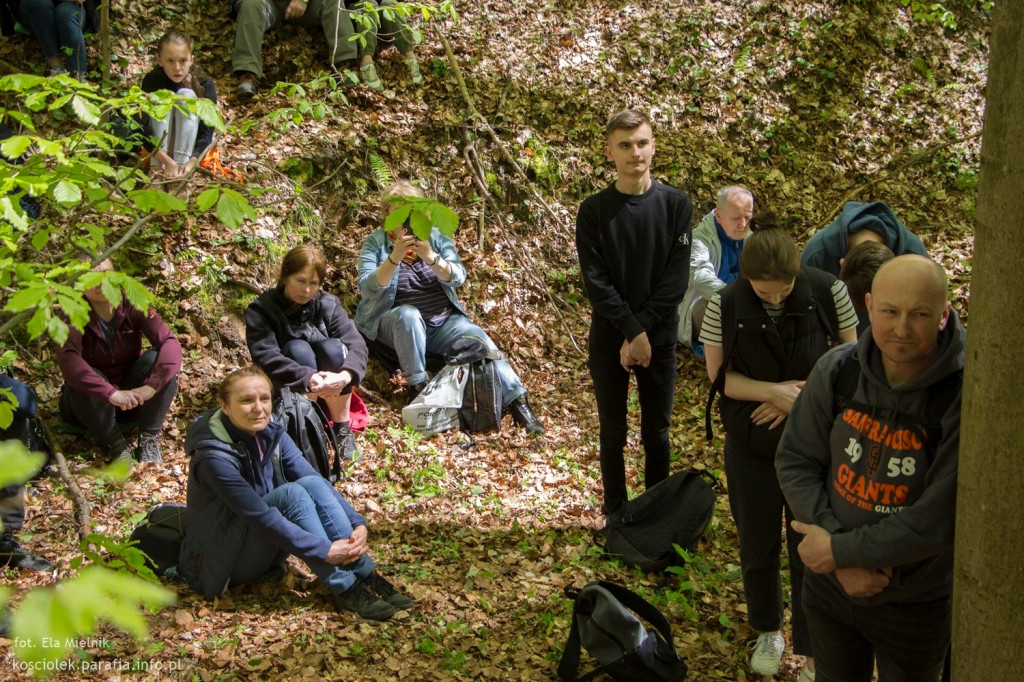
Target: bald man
868	463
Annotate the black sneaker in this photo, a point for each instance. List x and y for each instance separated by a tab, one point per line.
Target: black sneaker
149	448
363	603
346	441
14	555
119	451
386	591
524	416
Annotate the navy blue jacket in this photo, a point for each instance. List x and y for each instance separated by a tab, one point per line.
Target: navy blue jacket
226	485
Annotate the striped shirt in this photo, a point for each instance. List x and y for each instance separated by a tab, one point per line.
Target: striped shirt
711	330
419	287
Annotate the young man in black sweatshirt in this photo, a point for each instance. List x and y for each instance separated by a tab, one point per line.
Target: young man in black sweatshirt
633	242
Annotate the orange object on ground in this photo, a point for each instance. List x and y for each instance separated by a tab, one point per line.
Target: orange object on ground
212	163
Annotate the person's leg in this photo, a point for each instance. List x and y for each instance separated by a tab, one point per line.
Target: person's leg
40	17
152	413
611	389
402	328
440	340
185	127
396	28
70	19
798	622
310	503
161	130
756	503
656	386
253	19
911	640
841	652
98	417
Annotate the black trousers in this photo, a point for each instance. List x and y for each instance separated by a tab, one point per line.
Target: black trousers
101	418
656	386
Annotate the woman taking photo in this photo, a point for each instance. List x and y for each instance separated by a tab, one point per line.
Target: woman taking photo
303	339
779	319
253	500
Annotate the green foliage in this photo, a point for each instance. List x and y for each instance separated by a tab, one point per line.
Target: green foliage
381	172
938	11
422	214
50	621
19	464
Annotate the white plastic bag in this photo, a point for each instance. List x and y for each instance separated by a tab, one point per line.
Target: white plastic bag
436	408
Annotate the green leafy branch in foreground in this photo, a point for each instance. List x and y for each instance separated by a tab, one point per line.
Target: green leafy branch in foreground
98	197
938	11
422	214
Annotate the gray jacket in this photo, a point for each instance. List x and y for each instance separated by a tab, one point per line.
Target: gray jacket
705	259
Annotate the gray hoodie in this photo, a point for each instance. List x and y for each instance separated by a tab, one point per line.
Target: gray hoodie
887	498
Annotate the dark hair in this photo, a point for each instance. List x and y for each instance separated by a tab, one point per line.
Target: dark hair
768	252
228	385
196	74
859	268
300	258
626	120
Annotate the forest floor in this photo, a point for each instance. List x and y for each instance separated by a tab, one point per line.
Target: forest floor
808	104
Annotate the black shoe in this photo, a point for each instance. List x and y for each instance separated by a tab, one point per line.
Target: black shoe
360	601
149	448
248	85
524	416
119	451
386	591
14	555
346	441
5	621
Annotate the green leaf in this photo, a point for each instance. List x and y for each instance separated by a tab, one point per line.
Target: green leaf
155	200
421	225
65	192
207	198
445	219
209	114
397	217
86	111
19	464
15	145
27	297
40	239
137	295
232	209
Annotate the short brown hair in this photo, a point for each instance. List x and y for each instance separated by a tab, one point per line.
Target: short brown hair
769	253
228	385
859	268
627	119
300	258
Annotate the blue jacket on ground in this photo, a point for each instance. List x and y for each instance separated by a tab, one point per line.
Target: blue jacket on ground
826	247
226	485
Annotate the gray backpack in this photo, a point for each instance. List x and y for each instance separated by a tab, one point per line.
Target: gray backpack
603	622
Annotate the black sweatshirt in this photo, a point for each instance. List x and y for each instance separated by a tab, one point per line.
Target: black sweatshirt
634	253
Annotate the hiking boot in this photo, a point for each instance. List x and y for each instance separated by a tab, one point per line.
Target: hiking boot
360	601
346	441
524	416
386	591
414	70
767	653
119	451
149	448
368	74
14	555
57	71
248	85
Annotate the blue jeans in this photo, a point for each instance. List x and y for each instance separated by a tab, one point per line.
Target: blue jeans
313	505
907	641
58	28
404	330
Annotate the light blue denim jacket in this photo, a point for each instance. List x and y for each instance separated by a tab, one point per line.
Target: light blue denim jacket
376	299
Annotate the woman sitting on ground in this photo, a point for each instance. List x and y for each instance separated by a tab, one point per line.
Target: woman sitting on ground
253	500
302	337
409	304
59	26
182	137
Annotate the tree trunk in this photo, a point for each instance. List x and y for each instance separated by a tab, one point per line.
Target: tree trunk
988	590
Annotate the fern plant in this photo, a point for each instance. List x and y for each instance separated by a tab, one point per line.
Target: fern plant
381	172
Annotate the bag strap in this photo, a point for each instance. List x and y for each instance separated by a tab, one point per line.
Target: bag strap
570	663
824	302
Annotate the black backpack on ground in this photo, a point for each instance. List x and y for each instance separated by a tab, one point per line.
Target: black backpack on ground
676	511
604	624
306	423
481	398
160	535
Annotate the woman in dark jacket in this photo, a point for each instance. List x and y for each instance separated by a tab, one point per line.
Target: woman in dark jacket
302	337
253	500
776	313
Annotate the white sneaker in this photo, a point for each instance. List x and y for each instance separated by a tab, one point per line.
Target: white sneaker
767	653
806	675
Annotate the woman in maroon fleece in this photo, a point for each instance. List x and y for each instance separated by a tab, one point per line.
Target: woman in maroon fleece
108	378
